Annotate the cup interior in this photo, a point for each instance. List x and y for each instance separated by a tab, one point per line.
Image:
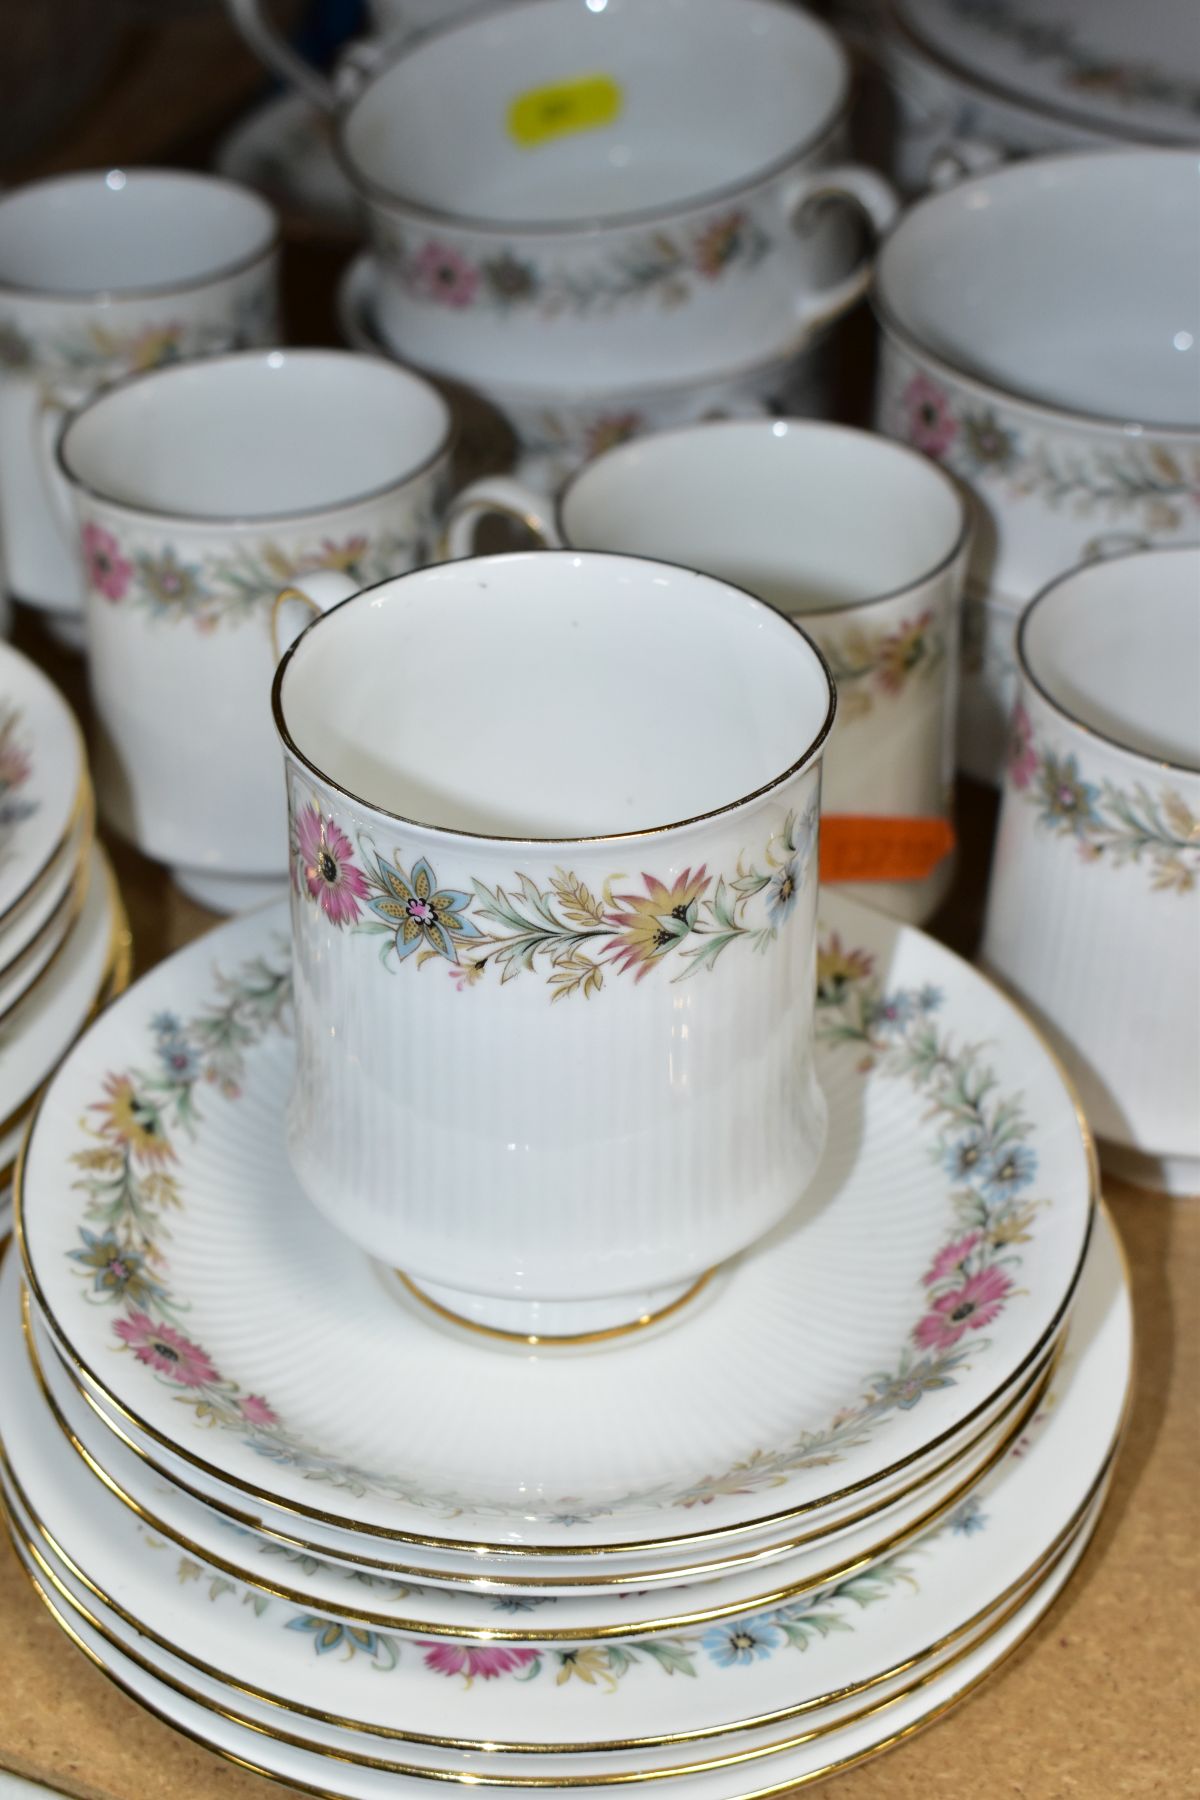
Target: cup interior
121	231
1069	280
552	695
1116	647
256	435
702	95
811	517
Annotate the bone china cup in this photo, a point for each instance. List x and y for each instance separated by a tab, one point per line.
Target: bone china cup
200	491
779	506
1094	910
1041	339
561	191
102	275
554	841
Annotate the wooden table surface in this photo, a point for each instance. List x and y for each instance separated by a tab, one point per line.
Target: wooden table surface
1101	1702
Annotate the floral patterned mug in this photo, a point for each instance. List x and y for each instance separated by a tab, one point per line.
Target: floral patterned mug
102	275
553	836
1094	910
1040	338
779	506
200	491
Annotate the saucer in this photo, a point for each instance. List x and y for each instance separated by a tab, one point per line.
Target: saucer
948	1224
751	1675
94	964
43	785
482	1611
284	148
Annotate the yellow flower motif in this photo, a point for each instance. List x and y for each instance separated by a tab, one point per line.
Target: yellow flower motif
590	1665
650	924
903	650
838	969
1014	1227
133	1123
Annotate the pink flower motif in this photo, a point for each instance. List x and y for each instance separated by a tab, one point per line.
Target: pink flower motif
1022	757
107	570
952	1259
931	425
468	1660
256	1411
163	1348
441	274
976	1303
324	856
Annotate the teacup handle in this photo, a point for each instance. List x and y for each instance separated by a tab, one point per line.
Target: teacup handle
274	50
320	591
848	184
49	417
495	494
960	157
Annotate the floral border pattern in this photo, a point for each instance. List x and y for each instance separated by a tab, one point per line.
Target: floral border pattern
1154	483
601	1667
1107	823
663	265
1080	69
574	935
16	767
236	584
93	352
128	1177
880	664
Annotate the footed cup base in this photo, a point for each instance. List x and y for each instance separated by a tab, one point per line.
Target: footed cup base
228	893
548	1322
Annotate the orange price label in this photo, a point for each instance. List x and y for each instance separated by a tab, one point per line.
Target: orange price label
860	847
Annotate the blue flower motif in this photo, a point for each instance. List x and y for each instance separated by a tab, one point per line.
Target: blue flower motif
745	1642
892	1012
783	890
1066	800
929	998
968	1158
419	912
1007	1171
165	1024
330	1634
178	1059
968	1519
119	1272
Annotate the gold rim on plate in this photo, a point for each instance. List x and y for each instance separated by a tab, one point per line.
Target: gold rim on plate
596	1581
118	967
516	1552
995	1617
1025	1409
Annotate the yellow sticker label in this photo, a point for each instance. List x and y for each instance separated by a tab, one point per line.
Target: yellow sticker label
584	104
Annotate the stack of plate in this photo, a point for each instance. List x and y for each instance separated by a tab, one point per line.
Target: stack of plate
341	1540
64	943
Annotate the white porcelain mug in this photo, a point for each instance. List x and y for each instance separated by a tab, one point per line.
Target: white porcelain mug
1094	910
102	275
863	541
200	491
564	193
554	840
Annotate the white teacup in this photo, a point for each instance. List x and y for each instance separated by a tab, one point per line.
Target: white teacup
554	840
200	492
862	540
103	275
620	193
1094	910
1041	339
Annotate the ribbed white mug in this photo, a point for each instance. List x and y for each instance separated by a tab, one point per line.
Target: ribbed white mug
1094	909
554	862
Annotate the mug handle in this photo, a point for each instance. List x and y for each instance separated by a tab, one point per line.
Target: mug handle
274	50
320	592
498	494
50	415
873	197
